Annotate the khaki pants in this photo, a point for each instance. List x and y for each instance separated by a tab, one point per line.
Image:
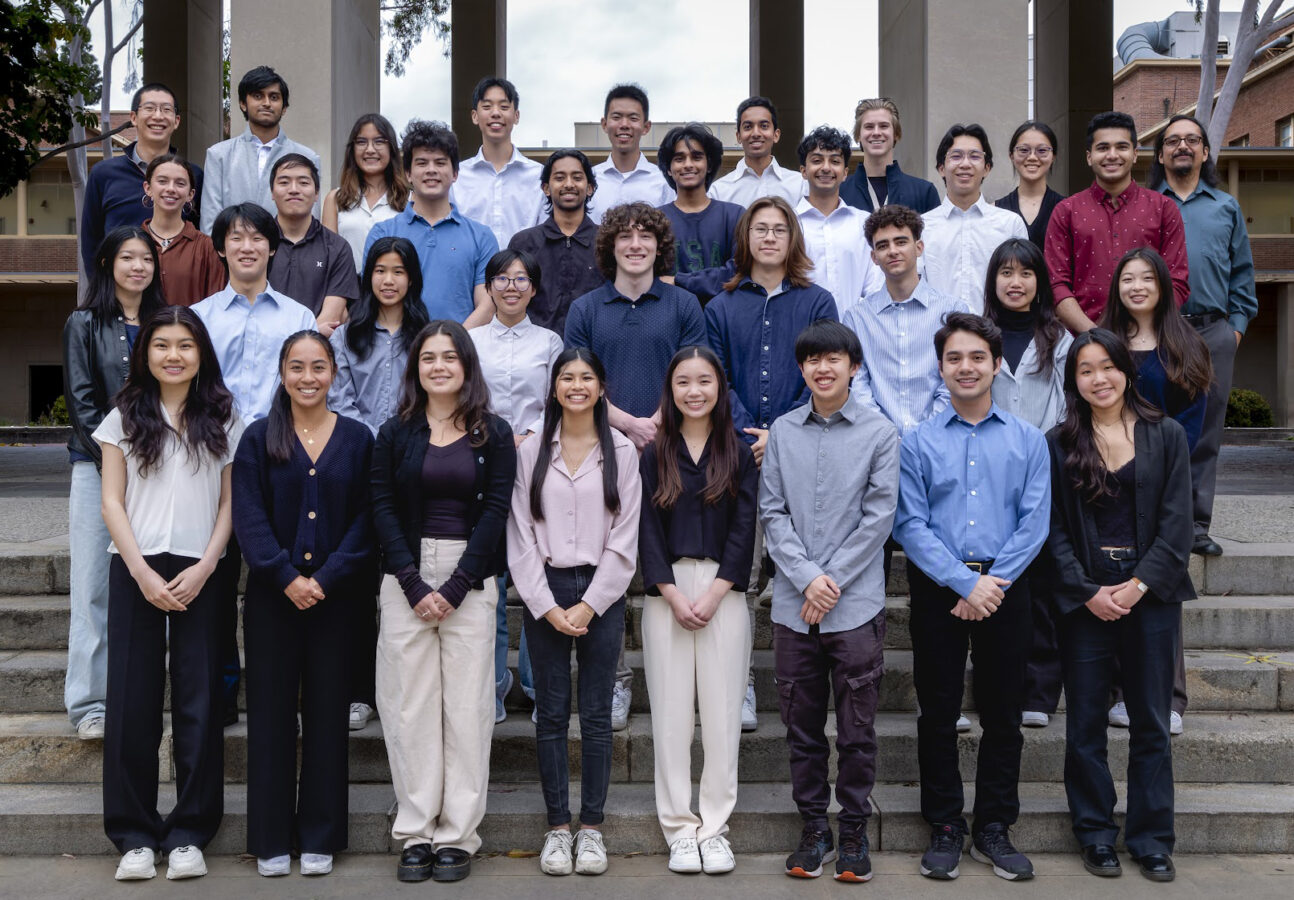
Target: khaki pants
435	694
686	669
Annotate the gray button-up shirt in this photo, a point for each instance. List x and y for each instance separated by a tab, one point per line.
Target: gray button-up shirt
368	388
827	494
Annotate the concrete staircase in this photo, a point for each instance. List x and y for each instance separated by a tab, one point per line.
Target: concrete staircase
1234	765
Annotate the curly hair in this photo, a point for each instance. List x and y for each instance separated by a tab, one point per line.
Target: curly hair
626	217
893	215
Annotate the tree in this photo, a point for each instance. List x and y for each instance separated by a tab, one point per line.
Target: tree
1253	31
407	23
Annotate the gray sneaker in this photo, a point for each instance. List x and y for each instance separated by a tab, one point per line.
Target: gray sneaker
621	698
993	847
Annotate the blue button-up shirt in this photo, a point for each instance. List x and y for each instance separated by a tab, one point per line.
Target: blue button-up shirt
1217	251
368	388
248	337
451	253
972	493
753	334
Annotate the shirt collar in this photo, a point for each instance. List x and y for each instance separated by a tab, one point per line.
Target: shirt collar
881	298
748	282
479	159
228	296
655	292
311	233
498	329
1201	187
773	170
584	234
1100	196
253	139
595	455
409	215
805	209
948	209
948	414
849	412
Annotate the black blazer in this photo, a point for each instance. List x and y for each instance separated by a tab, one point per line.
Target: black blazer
1165	519
397	496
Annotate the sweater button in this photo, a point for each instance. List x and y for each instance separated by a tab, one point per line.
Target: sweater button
480	496
308	557
312	471
311	514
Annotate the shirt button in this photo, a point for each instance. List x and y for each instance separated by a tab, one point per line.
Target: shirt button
312	471
766	346
309	557
972	462
972	521
311	514
123	337
973	493
480	496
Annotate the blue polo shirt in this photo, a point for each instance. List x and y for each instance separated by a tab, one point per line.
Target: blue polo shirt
452	255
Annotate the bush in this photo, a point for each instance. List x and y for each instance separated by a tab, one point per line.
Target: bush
56	414
1248	409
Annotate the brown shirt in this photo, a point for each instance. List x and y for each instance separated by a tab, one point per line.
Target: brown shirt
191	268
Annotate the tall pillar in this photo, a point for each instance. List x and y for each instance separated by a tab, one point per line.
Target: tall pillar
1074	78
479	49
21	198
777	68
942	65
328	51
182	41
1283	405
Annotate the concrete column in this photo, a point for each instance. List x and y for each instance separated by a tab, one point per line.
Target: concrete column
1073	80
1233	177
777	68
1283	402
20	196
183	42
329	53
946	61
479	49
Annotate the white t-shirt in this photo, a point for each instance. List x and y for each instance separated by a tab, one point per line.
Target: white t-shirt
173	508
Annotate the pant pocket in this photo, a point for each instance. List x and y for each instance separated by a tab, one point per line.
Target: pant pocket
863	695
786	700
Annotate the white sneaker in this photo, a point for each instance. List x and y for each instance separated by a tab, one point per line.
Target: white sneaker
139	864
90	728
590	852
749	721
273	868
500	691
316	863
185	862
621	697
716	856
1174	722
1119	715
1031	719
360	715
684	857
963	724
555	858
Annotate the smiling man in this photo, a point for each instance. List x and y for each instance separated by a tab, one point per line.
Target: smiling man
757	173
238	170
627	176
878	180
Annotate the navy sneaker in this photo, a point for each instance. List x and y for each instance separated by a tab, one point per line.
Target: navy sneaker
816	847
945	852
853	863
993	847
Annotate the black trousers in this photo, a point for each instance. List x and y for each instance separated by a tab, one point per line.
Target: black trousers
999	648
228	571
291	653
363	649
1043	675
137	664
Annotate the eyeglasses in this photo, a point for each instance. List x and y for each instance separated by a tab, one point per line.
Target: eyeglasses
501	282
1024	151
957	156
375	143
1191	140
763	231
150	109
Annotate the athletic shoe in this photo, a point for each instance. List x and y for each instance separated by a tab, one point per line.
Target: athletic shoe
993	847
360	715
749	720
1032	719
274	866
500	691
590	852
1119	715
185	862
716	856
90	728
685	856
853	863
816	847
139	864
316	863
963	724
1174	722
621	697
555	858
945	852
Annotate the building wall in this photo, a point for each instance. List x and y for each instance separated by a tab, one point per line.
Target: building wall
42	309
1261	104
1154	90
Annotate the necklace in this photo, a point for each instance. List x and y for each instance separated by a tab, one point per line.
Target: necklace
164	241
306	433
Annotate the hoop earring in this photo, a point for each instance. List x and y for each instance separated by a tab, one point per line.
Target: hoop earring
147	201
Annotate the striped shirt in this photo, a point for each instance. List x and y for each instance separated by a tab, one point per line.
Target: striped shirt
1037	398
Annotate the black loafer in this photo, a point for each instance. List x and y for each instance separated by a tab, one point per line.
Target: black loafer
415	863
1100	859
1206	546
451	864
1157	866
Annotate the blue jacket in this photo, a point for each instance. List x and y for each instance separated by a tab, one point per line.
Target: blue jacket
907	190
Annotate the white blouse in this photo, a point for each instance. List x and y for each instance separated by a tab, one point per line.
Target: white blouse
354	224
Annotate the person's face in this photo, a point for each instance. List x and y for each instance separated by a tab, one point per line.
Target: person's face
431	173
372	151
307	374
895	251
156	117
756	134
876	133
568	186
1099	381
1112	155
635	251
512	290
1138	287
967	366
824	170
169	188
695	387
625	124
495	115
1183	152
1017	285
264	107
577	387
247	252
132	267
828	376
440	369
390	279
770	237
173	356
964	166
688	166
1033	155
294	191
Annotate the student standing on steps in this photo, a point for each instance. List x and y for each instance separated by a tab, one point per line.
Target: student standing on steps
626	176
372	187
188	264
878	180
757	173
1033	154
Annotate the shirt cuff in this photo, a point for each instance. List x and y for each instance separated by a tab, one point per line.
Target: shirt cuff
1238	321
415	589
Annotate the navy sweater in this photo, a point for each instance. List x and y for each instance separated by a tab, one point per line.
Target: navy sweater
706	239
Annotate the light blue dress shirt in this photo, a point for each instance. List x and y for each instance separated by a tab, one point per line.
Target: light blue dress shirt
368	388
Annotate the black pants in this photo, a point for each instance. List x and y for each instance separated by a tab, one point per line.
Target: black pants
290	652
363	637
1043	674
999	648
228	571
137	663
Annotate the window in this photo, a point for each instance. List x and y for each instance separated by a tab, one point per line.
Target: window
1242	141
1285	132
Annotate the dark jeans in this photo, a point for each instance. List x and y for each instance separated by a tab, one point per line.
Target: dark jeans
550	660
1043	674
810	669
999	650
137	663
1144	643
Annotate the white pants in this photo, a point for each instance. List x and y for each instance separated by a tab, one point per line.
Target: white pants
435	695
709	666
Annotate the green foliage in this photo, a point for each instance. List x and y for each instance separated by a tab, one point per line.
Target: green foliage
56	414
1248	409
408	21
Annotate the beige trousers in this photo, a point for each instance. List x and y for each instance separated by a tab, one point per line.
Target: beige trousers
686	669
435	695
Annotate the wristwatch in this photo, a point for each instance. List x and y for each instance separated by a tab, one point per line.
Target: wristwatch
1141	585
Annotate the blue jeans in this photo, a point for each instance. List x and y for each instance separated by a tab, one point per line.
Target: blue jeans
550	654
501	646
85	689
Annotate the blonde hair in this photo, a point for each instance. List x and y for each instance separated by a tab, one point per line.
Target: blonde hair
866	106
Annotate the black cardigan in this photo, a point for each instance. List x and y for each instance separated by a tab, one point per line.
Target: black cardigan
397	496
1165	520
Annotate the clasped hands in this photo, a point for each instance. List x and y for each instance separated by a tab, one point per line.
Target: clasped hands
304	592
1114	601
694	615
983	600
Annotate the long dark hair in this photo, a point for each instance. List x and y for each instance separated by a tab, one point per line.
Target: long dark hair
1083	462
101	297
1208	171
721	473
473	410
208	407
279	435
1047	329
1180	348
351	183
361	331
601	421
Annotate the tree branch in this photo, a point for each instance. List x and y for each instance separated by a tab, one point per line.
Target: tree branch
85	143
126	38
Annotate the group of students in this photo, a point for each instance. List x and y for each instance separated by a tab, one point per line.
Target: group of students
703	416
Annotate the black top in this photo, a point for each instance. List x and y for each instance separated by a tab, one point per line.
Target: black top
723	532
570	268
447	476
1115	513
879	186
1038	227
1017	331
